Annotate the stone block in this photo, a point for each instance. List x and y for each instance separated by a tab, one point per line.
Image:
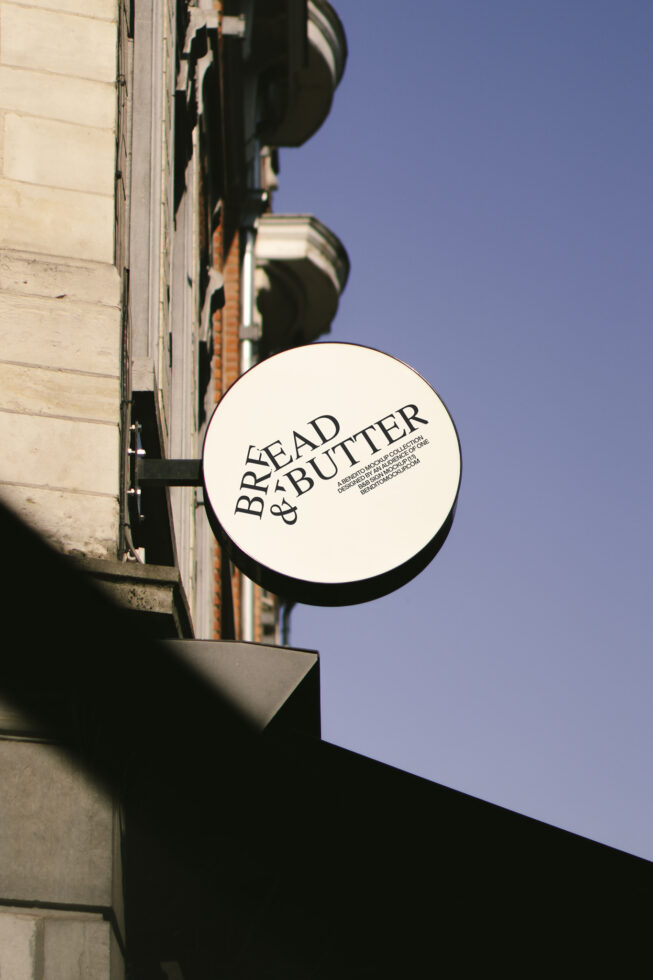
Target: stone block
56	830
56	221
45	944
75	523
68	280
101	9
78	947
67	394
60	334
59	154
19	942
156	592
32	37
49	96
59	453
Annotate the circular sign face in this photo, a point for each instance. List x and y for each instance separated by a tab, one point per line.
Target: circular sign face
331	473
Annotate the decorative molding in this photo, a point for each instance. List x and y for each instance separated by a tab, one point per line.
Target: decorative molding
302	269
312	86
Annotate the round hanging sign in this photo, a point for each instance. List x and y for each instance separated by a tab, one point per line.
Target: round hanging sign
331	473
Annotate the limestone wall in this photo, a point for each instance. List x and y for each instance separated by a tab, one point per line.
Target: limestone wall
60	315
61	913
58	944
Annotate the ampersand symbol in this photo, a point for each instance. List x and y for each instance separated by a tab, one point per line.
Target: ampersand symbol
288	515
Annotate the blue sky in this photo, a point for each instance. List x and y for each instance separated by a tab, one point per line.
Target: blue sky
489	168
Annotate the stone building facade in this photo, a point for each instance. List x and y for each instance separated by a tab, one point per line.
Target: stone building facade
138	152
141	270
146	829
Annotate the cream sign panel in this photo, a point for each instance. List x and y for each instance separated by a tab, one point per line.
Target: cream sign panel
331	473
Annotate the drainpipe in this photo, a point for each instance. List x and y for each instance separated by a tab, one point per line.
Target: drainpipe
285	623
250	332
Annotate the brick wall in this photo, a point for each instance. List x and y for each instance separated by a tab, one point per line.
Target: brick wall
226	369
225	372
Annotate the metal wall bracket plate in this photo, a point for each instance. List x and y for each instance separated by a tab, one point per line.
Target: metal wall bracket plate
168	472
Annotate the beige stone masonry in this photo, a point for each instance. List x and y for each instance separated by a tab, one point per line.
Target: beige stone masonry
67	44
99	9
19	939
60	334
49	96
53	944
56	221
66	394
80	947
59	453
76	523
32	274
58	154
57	829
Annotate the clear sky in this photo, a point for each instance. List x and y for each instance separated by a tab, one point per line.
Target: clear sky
488	164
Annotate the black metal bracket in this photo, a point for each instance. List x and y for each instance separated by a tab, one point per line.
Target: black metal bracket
254	205
168	472
148	476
